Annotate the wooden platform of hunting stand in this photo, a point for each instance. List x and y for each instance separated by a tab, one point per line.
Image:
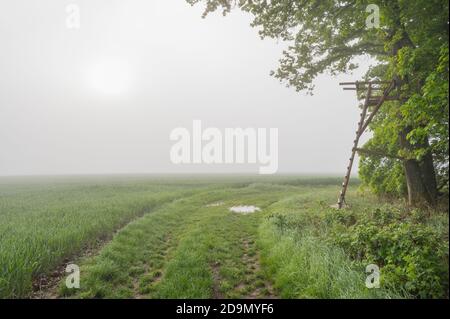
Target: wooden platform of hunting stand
372	104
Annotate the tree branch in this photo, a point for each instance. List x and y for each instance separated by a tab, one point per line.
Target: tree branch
378	153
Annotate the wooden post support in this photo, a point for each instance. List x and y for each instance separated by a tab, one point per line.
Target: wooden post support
377	102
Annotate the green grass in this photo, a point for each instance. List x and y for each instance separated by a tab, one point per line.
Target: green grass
43	222
301	261
166	240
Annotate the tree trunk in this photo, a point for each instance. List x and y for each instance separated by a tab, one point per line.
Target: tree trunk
420	176
429	176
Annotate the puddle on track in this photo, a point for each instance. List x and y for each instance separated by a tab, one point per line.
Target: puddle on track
244	209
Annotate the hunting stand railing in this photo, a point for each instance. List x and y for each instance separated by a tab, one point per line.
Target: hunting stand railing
372	104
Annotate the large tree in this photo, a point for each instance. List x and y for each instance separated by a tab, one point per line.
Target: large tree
409	151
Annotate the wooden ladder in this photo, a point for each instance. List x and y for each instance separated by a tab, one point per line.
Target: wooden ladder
376	102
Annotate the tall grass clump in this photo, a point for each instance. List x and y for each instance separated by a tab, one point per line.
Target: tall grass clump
304	267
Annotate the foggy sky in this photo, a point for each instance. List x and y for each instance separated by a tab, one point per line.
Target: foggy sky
179	68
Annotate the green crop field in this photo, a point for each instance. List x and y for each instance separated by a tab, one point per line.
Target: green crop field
175	237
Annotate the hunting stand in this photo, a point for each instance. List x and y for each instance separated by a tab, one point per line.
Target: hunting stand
372	104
